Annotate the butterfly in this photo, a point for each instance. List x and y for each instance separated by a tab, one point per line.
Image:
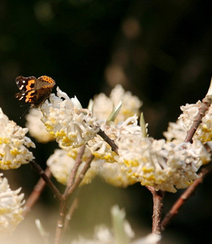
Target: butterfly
34	90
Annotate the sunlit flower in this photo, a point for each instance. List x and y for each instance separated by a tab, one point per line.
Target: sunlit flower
36	127
65	119
165	166
11	209
103	105
62	162
115	174
13	144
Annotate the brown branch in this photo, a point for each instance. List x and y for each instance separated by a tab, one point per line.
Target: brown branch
32	199
61	221
68	217
185	196
109	141
158	196
51	185
206	102
74	170
81	175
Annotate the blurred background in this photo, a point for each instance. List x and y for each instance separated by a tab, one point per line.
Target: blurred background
159	50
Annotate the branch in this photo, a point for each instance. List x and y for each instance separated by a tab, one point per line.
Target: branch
81	175
109	141
61	224
32	199
158	196
74	170
185	196
206	102
42	174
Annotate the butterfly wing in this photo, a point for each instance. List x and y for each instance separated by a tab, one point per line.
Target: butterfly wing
34	91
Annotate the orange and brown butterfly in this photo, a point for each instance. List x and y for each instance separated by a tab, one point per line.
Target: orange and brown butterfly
34	90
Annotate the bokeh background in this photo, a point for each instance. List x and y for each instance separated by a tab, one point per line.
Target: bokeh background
159	50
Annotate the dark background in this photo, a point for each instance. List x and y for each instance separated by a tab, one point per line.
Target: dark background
160	50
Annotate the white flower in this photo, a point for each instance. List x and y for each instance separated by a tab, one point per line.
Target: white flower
65	119
62	162
13	144
165	166
10	207
115	174
103	105
36	127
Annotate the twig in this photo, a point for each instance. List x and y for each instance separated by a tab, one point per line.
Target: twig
74	170
66	196
81	175
206	102
68	217
32	199
157	209
51	185
109	141
185	196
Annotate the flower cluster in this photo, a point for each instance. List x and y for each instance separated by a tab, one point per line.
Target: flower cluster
65	119
13	144
164	165
11	209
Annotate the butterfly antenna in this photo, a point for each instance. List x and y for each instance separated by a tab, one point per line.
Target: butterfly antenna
24	112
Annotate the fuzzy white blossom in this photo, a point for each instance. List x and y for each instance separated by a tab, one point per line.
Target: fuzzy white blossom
13	144
115	174
11	209
165	166
36	127
103	105
67	121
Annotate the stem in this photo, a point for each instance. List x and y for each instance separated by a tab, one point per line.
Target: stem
108	140
61	224
32	199
157	209
74	170
81	175
206	102
74	205
51	185
185	196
